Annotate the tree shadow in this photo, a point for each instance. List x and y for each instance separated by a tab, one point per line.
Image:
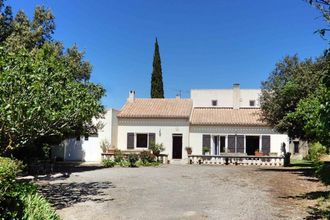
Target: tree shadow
307	172
63	195
314	212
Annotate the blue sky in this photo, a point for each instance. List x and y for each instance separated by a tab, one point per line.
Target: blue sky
203	44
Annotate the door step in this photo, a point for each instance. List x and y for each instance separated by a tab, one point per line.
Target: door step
177	161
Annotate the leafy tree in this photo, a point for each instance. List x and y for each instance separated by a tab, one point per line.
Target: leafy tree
6	18
157	90
39	97
290	81
45	93
324	7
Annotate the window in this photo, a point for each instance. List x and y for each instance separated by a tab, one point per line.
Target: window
141	140
214	102
252	102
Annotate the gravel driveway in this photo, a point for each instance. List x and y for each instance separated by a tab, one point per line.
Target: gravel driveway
170	192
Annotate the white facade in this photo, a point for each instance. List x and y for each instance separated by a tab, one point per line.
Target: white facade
164	129
226	97
196	137
88	148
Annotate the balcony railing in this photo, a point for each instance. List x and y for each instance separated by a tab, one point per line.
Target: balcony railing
244	160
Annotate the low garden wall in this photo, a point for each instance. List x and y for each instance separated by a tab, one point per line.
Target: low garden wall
237	160
163	158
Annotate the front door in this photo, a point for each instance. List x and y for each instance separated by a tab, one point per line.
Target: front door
177	146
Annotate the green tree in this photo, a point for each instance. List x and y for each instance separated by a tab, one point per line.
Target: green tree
45	93
324	7
290	81
157	90
40	97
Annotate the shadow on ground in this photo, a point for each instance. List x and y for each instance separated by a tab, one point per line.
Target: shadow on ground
314	212
307	172
63	195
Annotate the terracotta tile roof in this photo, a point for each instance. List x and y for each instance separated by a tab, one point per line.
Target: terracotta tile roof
157	108
226	116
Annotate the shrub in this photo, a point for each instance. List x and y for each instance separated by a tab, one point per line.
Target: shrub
10	204
132	159
118	156
156	148
108	163
323	173
315	151
14	195
123	163
37	207
105	145
147	156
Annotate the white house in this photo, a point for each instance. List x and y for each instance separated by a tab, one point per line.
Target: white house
220	121
88	148
214	122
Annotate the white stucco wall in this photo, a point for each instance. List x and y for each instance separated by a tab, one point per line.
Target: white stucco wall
89	150
204	97
163	129
196	133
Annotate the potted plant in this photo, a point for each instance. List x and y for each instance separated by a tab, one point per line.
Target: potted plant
189	150
258	153
206	151
156	148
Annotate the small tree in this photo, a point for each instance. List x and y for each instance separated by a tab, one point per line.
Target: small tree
157	90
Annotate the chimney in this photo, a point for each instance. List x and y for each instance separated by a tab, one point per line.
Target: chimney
236	96
131	96
178	95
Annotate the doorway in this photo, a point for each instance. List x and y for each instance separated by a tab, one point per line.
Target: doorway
252	144
177	146
216	145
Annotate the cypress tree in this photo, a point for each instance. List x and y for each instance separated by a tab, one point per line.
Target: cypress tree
157	90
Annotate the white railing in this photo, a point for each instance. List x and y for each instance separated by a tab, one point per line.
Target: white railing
237	160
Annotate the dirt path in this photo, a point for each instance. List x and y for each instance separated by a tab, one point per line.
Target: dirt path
185	192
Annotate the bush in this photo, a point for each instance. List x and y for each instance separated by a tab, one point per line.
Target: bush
132	159
37	207
315	151
156	148
118	156
108	163
13	195
123	163
323	173
147	157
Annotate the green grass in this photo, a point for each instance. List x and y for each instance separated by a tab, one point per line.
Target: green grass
302	164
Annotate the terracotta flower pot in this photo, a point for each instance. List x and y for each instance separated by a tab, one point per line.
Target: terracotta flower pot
258	154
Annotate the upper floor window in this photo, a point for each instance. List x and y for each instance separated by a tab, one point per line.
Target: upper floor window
214	102
252	103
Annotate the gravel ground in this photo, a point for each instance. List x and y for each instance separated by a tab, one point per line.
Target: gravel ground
176	192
